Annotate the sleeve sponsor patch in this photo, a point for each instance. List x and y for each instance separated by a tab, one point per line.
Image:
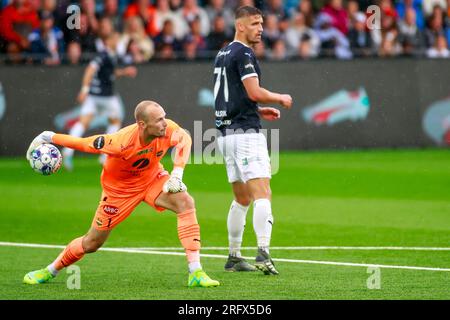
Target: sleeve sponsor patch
99	143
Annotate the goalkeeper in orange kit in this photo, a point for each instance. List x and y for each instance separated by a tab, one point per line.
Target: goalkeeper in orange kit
131	174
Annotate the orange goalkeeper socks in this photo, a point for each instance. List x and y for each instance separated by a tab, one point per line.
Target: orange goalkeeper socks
71	254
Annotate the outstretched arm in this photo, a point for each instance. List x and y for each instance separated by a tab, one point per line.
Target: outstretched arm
93	144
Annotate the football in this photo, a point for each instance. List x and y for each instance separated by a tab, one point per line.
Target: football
46	159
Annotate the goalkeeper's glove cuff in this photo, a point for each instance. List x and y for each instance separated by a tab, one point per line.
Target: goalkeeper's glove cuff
177	172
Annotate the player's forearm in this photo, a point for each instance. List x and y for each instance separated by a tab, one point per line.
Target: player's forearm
80	144
262	95
87	79
182	148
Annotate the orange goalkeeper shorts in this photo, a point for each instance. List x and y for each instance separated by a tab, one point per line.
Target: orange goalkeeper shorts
113	210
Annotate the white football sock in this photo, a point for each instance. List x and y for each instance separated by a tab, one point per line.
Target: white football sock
52	269
76	131
236	225
262	222
194	266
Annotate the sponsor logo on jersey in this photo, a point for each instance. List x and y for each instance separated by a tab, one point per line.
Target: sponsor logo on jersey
141	163
220	123
221	113
249	66
144	151
110	210
223	53
99	143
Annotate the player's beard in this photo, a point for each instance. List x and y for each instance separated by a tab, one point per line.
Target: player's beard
254	40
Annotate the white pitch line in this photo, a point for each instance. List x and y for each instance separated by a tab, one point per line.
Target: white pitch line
334	263
304	248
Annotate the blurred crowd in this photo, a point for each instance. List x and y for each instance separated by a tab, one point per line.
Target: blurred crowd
52	32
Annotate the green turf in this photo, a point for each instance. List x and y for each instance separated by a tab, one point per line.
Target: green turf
360	198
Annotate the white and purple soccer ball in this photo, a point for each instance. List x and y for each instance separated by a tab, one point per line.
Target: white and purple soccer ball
46	159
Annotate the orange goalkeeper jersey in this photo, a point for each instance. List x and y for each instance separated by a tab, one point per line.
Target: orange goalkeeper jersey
131	167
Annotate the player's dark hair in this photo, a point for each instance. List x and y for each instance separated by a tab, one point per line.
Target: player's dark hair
247	11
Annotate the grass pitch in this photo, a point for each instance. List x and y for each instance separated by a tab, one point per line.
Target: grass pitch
361	198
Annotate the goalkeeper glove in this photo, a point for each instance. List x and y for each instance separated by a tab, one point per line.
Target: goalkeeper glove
175	184
44	137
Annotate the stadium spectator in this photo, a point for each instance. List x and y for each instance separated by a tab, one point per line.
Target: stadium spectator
435	27
260	50
278	51
387	8
271	31
189	12
300	39
386	40
416	5
111	10
17	21
105	29
440	49
352	11
163	12
166	38
73	54
429	5
134	38
277	8
217	7
338	14
47	42
360	39
87	34
333	41
175	4
218	37
306	8
410	37
144	10
194	43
